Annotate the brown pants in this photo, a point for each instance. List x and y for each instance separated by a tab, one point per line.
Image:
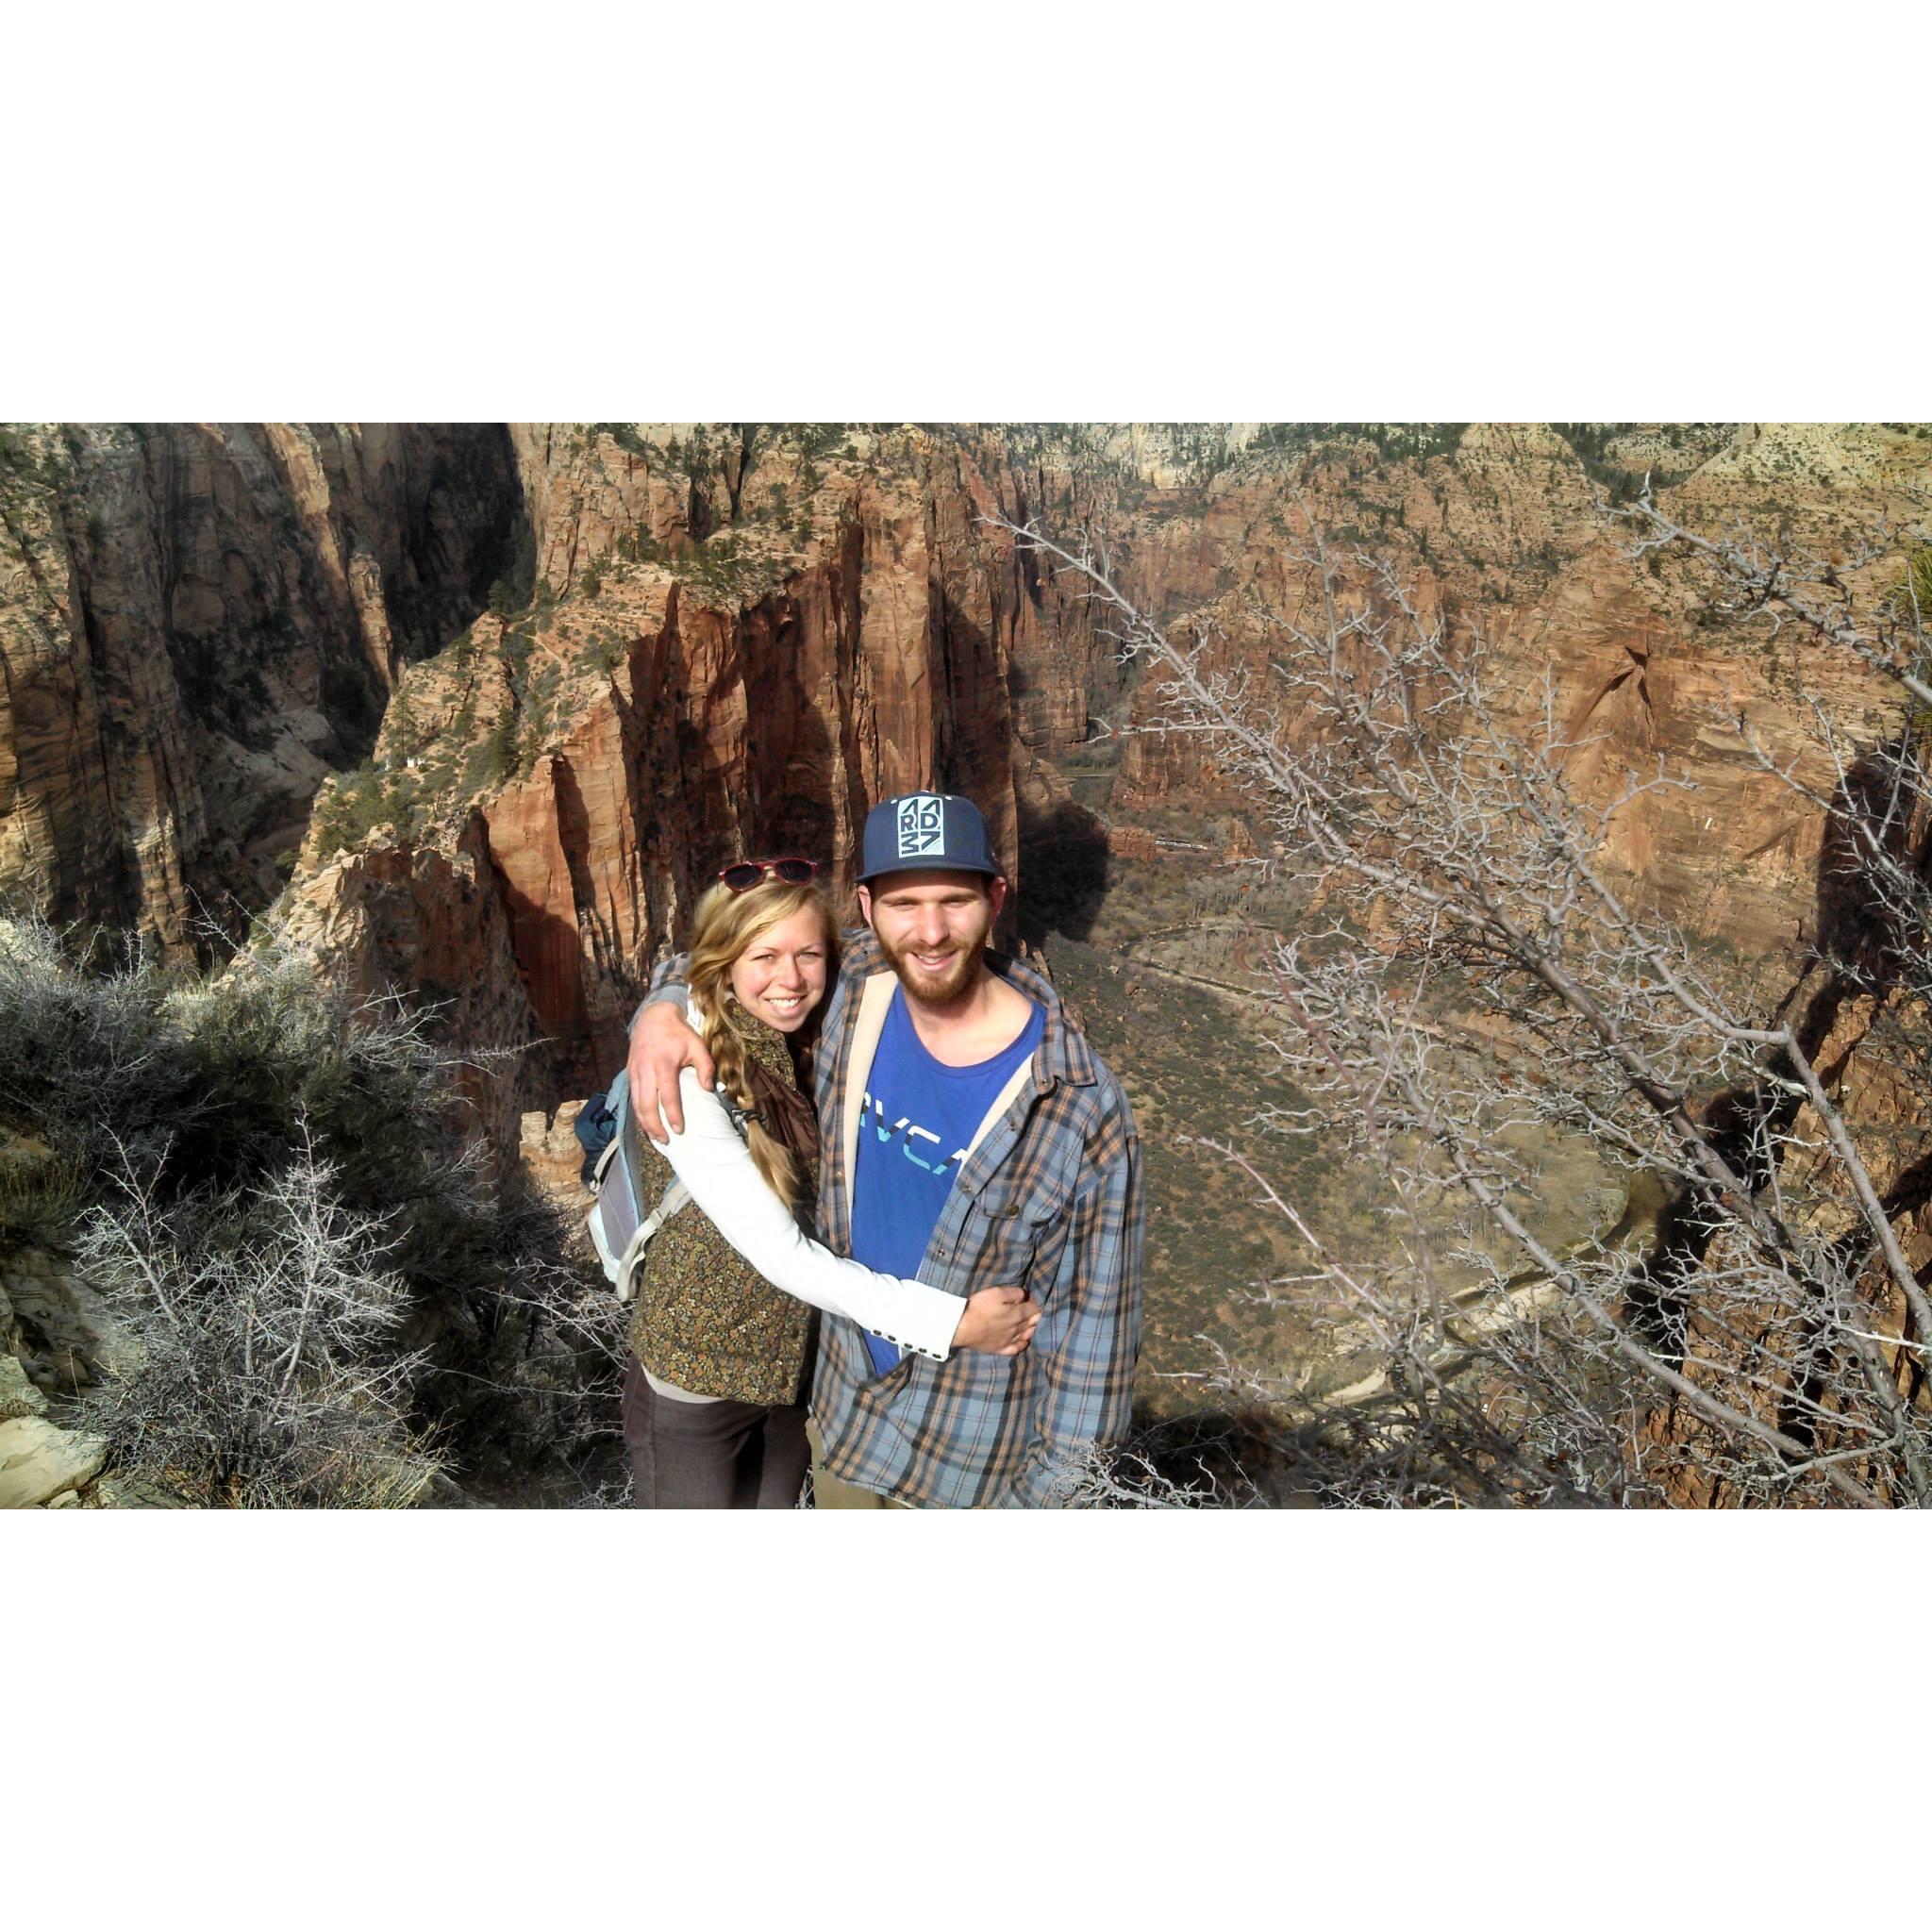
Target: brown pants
710	1455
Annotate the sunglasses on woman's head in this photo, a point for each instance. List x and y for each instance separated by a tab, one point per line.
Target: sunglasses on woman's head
747	873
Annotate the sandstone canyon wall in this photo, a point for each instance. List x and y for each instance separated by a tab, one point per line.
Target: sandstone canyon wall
669	702
1505	540
197	622
704	638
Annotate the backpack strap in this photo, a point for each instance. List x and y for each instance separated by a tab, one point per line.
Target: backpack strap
676	1196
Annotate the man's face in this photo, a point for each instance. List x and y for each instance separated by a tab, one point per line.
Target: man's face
932	927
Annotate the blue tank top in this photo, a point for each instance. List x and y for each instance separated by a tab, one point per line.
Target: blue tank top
919	1116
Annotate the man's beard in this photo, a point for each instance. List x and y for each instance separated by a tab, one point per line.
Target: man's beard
934	991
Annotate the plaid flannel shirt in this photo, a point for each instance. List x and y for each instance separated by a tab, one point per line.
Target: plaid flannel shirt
1049	1199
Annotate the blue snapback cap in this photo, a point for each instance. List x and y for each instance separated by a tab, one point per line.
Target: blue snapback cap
925	829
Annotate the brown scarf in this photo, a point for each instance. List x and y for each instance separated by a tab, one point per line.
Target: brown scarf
786	1114
783	1111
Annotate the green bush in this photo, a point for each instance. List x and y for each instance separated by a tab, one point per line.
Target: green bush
490	762
360	801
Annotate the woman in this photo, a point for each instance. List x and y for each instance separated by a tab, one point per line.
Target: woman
713	1402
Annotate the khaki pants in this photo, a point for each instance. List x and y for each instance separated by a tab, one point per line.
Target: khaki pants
829	1491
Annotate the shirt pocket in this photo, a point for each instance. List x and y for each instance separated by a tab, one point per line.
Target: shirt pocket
1014	1236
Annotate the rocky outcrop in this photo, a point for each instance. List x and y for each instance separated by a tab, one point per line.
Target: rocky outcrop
59	1321
40	1464
552	1159
53	1341
430	926
56	1339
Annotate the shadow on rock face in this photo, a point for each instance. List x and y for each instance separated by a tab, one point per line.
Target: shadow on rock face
1860	930
1063	870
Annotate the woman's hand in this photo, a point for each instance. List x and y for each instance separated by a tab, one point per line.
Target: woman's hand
661	1045
998	1321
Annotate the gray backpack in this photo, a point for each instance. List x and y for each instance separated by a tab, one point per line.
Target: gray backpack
620	1228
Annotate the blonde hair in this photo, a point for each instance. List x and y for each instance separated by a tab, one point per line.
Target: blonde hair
724	924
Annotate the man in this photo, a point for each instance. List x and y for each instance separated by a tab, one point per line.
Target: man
971	1138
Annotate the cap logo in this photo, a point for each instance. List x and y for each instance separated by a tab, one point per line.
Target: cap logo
921	826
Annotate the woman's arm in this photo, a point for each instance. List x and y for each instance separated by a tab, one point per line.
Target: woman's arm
716	1165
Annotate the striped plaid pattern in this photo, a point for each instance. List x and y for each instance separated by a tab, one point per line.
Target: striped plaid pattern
1050	1199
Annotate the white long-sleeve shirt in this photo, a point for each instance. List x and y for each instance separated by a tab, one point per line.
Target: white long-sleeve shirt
712	1161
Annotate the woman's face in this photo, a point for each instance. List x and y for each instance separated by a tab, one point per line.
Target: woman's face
780	976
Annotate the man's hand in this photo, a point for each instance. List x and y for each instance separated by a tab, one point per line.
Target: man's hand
998	1321
661	1044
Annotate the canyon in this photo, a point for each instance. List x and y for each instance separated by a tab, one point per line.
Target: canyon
471	714
478	708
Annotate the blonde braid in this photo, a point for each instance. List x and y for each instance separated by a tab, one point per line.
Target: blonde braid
771	1157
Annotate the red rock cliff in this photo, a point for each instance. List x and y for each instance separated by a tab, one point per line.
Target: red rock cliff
198	621
720	638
